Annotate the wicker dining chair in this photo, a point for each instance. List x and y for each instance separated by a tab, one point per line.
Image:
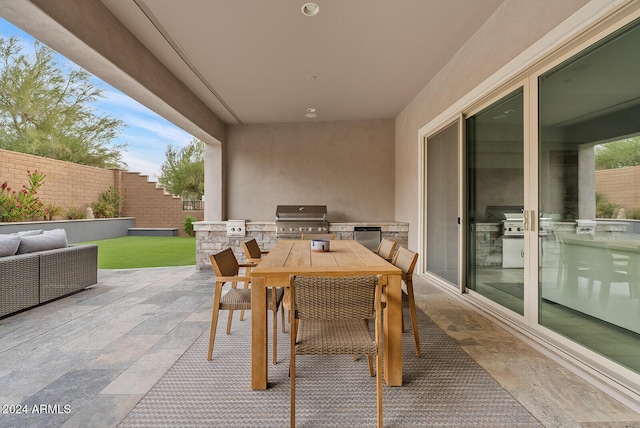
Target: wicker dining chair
331	318
252	251
386	249
406	260
227	269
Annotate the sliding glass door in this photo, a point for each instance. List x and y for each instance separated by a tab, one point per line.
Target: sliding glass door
495	201
550	210
589	155
442	234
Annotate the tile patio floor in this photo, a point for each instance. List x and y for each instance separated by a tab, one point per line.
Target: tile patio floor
96	353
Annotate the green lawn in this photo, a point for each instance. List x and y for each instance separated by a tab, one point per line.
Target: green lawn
145	251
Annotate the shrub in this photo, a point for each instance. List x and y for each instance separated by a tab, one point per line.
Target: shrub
23	204
102	209
188	225
114	198
634	214
75	213
108	204
604	208
51	211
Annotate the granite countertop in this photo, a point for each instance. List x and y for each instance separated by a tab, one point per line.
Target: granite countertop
386	226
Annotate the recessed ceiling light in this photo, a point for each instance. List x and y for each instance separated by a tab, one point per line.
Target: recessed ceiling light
311	110
311	115
310	9
312	77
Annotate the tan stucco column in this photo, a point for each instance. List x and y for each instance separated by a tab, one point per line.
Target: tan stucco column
213	208
586	181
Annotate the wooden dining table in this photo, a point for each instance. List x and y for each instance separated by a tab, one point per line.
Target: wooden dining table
345	258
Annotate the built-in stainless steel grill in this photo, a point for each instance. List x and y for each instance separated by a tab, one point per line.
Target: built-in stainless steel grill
294	220
512	219
513	224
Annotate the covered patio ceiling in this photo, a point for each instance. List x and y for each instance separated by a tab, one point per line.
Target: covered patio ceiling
264	61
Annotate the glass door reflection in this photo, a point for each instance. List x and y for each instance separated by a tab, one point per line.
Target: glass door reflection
495	204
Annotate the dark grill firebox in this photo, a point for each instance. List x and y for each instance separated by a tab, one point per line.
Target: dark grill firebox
294	220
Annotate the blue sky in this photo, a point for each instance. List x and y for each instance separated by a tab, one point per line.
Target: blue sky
146	133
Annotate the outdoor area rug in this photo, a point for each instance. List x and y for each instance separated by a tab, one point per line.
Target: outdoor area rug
444	388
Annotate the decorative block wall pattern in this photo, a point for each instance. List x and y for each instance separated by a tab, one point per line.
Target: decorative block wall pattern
619	186
66	184
151	205
70	185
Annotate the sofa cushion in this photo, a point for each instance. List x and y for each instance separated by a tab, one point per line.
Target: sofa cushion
30	232
9	244
47	240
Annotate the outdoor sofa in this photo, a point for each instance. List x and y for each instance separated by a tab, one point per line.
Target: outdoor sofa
39	266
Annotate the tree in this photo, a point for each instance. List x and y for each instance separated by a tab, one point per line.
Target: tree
182	172
45	110
618	154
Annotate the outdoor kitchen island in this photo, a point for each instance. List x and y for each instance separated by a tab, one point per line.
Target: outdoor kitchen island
214	236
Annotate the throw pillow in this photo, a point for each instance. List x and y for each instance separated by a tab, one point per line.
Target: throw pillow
47	240
9	244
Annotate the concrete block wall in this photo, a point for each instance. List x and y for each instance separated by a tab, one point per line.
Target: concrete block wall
151	205
618	186
67	185
70	185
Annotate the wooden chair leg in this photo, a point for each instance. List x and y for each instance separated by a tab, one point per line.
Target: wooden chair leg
247	272
292	374
229	319
371	372
282	318
292	399
286	303
212	335
414	317
214	319
246	285
379	389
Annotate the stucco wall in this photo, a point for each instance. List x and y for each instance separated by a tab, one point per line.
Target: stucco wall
346	165
515	26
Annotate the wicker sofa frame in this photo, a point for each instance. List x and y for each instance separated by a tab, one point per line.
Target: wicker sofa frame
27	280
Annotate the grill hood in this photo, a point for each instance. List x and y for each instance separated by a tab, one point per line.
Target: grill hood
301	213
